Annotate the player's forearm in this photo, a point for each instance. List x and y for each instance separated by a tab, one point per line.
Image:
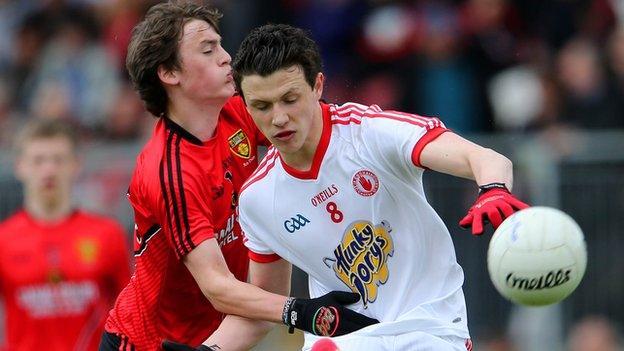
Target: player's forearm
488	166
231	296
238	333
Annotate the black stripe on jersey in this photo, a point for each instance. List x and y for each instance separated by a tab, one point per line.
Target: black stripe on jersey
146	237
188	241
182	250
163	189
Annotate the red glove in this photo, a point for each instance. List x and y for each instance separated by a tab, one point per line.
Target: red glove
495	203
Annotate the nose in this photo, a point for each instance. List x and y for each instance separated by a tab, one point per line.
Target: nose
280	117
226	58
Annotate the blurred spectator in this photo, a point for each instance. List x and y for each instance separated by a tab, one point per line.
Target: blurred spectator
445	84
517	98
126	115
588	99
594	333
495	40
615	61
77	65
60	268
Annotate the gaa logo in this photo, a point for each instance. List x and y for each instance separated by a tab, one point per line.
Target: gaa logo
295	223
365	182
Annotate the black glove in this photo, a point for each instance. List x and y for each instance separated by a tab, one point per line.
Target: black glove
325	315
174	346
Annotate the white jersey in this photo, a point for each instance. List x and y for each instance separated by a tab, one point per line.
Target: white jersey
359	221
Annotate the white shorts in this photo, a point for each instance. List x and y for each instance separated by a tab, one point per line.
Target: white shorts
414	341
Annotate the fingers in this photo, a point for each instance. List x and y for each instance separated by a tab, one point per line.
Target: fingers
477	223
466	222
359	318
351	321
505	209
344	297
494	216
519	205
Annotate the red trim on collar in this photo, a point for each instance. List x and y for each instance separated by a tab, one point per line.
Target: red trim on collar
312	173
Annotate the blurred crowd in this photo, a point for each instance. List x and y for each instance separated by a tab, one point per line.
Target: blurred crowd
480	65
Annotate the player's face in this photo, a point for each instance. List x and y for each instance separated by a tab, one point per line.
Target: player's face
286	109
47	167
205	72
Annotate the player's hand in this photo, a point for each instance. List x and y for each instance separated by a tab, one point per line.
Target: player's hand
325	315
494	204
174	346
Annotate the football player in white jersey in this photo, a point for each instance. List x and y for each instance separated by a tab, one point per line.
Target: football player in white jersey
340	195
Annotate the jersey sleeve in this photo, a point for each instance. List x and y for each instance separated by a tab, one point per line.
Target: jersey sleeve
184	211
258	250
398	138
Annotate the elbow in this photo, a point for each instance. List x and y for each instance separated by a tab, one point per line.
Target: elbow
217	293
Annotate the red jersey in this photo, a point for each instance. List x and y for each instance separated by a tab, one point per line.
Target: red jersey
184	191
59	280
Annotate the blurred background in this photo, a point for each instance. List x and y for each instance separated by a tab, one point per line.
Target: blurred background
541	81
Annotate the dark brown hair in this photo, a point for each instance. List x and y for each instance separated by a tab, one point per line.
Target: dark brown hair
271	47
155	42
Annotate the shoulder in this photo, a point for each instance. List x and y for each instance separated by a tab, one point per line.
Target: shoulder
13	222
351	113
234	109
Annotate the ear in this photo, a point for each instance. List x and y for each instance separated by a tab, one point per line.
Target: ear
167	76
318	85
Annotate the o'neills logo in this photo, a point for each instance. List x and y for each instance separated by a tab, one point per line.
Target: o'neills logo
324	195
365	182
545	281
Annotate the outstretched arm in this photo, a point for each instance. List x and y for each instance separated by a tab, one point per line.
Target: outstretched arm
449	153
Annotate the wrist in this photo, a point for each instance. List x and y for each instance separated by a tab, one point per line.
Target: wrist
289	316
492	186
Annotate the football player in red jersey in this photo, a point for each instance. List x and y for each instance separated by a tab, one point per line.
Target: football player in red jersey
190	261
60	268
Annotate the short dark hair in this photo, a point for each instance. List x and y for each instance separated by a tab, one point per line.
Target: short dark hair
155	42
37	129
272	47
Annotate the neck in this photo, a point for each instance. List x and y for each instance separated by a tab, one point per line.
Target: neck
201	121
52	211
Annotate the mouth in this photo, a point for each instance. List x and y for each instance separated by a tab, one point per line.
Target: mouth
284	136
229	77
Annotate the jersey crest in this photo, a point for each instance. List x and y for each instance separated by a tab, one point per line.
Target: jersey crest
88	250
365	182
239	144
360	260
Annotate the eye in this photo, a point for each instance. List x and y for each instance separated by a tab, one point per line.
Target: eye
290	100
261	107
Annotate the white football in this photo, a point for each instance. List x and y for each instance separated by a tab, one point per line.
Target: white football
537	256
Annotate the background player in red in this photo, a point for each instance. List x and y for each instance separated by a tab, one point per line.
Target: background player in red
60	267
190	260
